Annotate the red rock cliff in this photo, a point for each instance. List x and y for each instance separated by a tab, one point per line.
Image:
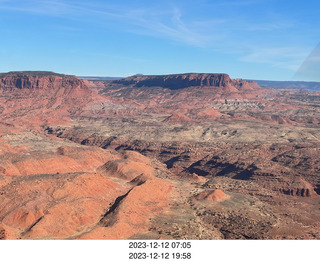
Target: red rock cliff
180	81
42	82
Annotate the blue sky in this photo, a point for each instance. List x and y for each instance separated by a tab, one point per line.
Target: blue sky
252	39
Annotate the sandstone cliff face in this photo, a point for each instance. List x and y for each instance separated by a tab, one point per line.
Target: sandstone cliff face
49	82
34	98
180	81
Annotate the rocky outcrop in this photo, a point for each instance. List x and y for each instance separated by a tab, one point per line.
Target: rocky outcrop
216	195
36	98
209	113
43	81
177	118
180	81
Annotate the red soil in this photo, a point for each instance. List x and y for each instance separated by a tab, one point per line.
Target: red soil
216	195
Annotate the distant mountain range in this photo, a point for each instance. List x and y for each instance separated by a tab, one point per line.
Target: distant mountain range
311	86
97	78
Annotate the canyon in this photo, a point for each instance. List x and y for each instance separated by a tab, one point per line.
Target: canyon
181	156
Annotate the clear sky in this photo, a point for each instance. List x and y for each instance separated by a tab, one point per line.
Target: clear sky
252	39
